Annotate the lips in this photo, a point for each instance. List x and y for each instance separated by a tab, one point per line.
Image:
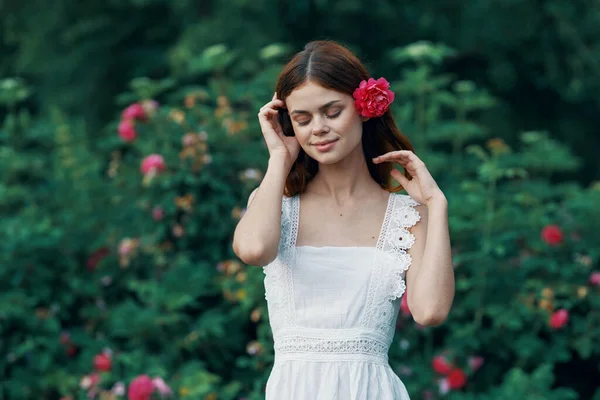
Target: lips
325	145
324	142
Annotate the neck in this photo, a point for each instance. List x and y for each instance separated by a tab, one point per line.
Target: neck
349	178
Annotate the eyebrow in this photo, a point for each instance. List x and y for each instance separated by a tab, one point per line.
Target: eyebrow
320	108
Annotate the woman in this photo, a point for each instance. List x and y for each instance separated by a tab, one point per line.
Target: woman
335	238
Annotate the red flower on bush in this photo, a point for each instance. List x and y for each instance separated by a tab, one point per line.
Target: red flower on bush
441	365
457	379
140	388
134	111
559	318
373	97
96	257
103	362
552	234
595	278
404	305
153	163
127	130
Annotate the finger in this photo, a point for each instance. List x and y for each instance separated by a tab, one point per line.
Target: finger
273	104
399	176
405	154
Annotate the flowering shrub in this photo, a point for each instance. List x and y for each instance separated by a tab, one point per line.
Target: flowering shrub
120	281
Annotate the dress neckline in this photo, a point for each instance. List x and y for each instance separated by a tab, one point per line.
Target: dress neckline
380	238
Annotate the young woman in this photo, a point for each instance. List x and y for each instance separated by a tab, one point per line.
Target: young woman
338	243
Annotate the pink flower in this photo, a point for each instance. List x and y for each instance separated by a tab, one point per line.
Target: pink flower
102	362
140	388
595	278
404	305
150	107
441	365
152	164
134	112
559	318
373	97
475	362
457	379
127	130
552	234
161	386
157	213
118	389
444	386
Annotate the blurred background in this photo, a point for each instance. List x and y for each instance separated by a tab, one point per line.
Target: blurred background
129	144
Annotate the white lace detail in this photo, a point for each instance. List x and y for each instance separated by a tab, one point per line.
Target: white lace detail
391	262
278	274
324	344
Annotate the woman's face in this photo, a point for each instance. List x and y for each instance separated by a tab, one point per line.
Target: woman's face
325	122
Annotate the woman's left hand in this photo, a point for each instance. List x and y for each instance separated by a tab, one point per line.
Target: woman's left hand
422	187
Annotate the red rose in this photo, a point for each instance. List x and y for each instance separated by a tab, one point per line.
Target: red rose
102	362
96	257
404	305
559	319
135	111
457	379
153	163
373	97
552	234
140	388
127	130
441	365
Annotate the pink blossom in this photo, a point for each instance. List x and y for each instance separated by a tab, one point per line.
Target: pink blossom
152	164
134	111
444	386
559	319
150	107
161	386
127	130
475	362
595	278
157	213
373	97
140	388
102	362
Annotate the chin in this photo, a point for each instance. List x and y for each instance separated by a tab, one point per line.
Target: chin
326	158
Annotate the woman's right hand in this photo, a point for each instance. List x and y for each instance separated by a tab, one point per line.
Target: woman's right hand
278	144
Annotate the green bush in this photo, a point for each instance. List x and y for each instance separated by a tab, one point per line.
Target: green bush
115	268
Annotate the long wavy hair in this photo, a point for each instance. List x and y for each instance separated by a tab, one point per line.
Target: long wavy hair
333	66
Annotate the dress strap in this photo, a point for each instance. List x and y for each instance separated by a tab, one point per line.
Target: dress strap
391	262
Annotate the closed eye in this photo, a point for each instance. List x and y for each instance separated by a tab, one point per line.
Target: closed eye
330	116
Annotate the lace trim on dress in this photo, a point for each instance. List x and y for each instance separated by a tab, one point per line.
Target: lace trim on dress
278	274
391	262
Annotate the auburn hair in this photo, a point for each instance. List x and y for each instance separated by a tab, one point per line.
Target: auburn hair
333	66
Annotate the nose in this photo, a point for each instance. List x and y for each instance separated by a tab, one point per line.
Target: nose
319	127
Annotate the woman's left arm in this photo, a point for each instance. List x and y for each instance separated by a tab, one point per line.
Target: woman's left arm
430	278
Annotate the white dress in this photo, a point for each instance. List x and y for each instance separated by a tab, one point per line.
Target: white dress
333	311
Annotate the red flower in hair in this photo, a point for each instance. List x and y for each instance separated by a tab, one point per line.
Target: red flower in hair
373	97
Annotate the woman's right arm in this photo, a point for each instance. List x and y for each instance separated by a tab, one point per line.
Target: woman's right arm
256	237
